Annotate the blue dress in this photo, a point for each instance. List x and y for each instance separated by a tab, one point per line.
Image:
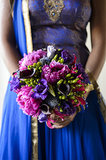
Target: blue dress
62	23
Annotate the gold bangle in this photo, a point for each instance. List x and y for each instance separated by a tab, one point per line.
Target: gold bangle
90	86
93	81
91	78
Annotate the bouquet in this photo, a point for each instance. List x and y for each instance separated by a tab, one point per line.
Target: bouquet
50	81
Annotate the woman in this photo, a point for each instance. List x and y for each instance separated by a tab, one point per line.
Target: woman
62	23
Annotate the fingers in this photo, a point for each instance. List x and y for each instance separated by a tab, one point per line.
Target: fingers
59	123
62	123
73	116
54	117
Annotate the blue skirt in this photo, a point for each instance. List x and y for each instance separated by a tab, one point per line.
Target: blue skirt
82	139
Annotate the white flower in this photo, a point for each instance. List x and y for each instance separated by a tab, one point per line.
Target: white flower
50	51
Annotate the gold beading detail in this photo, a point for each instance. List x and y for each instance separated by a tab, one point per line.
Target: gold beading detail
53	8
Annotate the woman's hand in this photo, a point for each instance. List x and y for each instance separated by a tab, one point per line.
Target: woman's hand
59	123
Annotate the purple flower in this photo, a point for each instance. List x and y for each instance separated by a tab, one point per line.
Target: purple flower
64	89
27	73
42	118
55	71
15	84
67	108
68	58
41	90
82	71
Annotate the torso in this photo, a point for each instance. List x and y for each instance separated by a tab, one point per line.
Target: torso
62	23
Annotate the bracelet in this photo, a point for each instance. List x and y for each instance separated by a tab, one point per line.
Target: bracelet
94	83
91	86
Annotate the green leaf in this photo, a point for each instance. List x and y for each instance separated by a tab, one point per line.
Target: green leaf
51	90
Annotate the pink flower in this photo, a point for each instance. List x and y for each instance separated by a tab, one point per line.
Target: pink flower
46	71
29	105
56	65
31	58
64	71
81	100
55	71
61	69
54	77
41	53
49	123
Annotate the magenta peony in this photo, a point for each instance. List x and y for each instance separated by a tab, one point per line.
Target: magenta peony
31	58
55	71
29	105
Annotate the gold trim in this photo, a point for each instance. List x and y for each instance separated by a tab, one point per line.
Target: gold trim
11	6
25	9
34	122
101	100
34	130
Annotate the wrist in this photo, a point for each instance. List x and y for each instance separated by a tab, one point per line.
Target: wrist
91	85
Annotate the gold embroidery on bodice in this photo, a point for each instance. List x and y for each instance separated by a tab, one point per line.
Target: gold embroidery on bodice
53	8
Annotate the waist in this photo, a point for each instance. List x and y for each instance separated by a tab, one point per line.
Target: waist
58	35
63	38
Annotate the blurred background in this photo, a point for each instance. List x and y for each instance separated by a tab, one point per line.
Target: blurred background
4	76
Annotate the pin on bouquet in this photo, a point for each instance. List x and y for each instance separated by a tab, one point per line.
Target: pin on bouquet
49	80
